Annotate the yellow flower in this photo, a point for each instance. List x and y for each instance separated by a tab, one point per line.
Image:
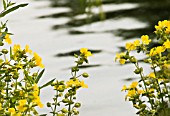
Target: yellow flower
35	87
11	110
85	52
38	60
152	52
76	83
124	88
145	39
130	46
8	39
131	93
73	83
118	56
22	102
40	104
37	101
163	24
151	90
70	83
21	107
134	85
167	31
167	44
152	75
27	49
16	48
60	87
136	43
83	85
36	98
157	50
122	61
140	91
160	49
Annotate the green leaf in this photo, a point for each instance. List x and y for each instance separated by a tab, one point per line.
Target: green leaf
4	4
28	77
47	84
12	9
39	76
10	53
2	71
43	115
11	3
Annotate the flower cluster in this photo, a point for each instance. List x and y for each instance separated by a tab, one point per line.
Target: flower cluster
19	90
19	93
151	94
66	91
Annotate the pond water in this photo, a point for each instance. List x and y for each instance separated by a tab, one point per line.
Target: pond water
47	27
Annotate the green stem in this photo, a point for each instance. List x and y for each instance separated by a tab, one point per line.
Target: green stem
142	78
158	83
69	107
55	106
16	84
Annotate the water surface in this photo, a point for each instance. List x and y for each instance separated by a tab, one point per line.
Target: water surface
57	30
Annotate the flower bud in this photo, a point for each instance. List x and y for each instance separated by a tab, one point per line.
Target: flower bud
66	95
35	74
60	115
75	69
1	43
64	110
153	111
48	104
77	105
85	75
76	56
75	112
133	59
15	76
60	94
65	100
80	62
52	84
138	70
4	51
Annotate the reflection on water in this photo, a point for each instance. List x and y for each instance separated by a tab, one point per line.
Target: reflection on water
148	11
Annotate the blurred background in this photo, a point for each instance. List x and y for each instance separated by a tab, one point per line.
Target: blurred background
56	29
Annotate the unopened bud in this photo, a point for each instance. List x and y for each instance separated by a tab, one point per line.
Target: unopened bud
133	59
4	51
85	75
77	105
64	110
48	104
65	100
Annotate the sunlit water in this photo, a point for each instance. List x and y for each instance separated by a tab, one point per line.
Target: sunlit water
103	97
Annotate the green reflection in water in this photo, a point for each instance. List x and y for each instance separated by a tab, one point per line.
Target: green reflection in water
149	11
